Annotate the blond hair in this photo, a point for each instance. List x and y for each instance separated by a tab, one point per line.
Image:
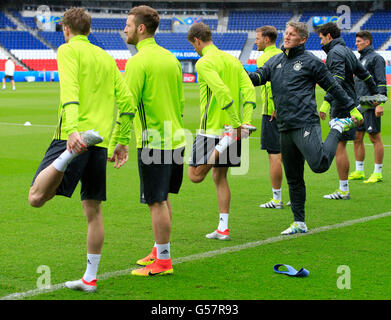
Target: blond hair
300	27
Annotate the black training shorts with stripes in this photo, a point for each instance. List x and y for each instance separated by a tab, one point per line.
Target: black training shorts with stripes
203	147
89	168
161	173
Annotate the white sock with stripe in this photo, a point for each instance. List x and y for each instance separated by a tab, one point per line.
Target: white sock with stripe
359	165
223	222
344	185
276	194
92	267
378	168
163	251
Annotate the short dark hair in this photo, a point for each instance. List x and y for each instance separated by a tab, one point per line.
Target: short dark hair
200	31
147	16
268	31
366	35
331	28
78	20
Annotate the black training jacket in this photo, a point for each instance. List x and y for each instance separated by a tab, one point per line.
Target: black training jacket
343	65
376	66
293	80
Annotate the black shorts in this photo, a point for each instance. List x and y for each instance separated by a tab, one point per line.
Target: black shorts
270	136
88	167
371	123
161	173
349	135
203	147
9	77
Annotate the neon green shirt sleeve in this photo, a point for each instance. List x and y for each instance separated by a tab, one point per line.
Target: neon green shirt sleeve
219	89
71	114
68	73
248	93
126	109
181	90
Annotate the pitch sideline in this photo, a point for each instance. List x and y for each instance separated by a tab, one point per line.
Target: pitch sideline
209	254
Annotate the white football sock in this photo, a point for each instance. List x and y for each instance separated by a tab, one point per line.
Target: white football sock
63	160
223	144
92	267
163	251
378	168
337	126
359	165
276	194
223	222
344	185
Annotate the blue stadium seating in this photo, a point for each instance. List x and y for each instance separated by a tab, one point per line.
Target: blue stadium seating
250	20
55	39
212	23
20	40
5	22
224	41
108	23
16	14
380	20
30	22
165	24
108	41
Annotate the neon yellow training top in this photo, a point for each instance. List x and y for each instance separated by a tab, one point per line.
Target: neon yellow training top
90	85
154	78
224	88
267	102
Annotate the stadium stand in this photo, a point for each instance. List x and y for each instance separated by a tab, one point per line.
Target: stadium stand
20	40
240	24
250	20
5	22
165	24
55	39
30	22
380	20
212	23
108	41
231	42
3	59
108	23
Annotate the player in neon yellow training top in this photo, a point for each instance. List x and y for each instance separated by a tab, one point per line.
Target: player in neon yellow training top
225	90
154	77
90	85
265	41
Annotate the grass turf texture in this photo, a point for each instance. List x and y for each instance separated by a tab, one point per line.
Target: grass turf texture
55	235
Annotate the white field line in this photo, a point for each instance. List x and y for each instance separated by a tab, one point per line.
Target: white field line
53	126
22	124
209	254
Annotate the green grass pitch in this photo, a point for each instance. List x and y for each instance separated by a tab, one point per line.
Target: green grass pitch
55	235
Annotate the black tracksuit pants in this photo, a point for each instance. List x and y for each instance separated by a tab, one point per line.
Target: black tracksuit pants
305	144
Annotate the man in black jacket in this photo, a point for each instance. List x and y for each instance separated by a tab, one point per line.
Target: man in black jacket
376	66
343	65
293	75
